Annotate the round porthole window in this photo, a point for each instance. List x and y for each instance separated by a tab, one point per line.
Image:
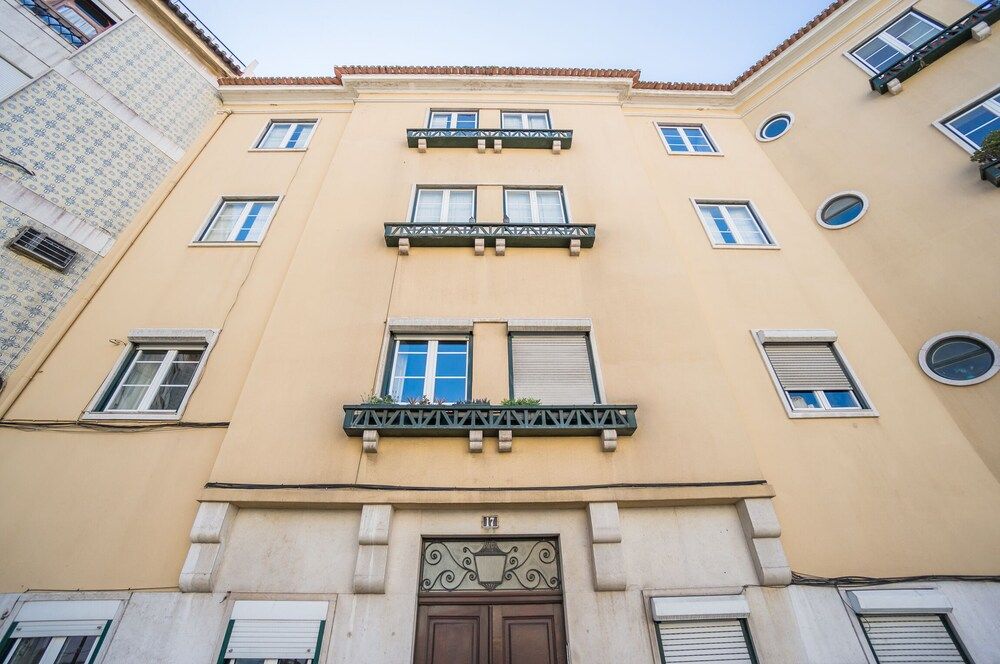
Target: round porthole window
842	210
960	358
775	127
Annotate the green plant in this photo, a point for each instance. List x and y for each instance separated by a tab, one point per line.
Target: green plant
990	149
473	402
419	401
521	401
378	399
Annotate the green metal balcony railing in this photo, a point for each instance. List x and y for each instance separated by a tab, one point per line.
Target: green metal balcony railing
465	235
945	41
445	420
510	138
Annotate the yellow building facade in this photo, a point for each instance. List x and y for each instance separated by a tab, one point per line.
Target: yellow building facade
673	340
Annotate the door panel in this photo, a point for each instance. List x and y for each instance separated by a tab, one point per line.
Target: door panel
452	635
527	634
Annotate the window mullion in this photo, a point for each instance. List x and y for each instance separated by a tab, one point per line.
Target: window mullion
821	395
431	369
533	199
732	227
121	383
240	221
52	650
895	43
993	106
686	139
154	383
445	202
288	134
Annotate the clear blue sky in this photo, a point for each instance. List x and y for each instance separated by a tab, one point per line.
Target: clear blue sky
669	40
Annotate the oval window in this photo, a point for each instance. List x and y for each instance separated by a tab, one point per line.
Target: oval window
774	127
959	358
842	210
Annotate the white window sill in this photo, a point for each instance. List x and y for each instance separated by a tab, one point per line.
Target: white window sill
277	149
805	414
132	415
746	246
225	244
695	154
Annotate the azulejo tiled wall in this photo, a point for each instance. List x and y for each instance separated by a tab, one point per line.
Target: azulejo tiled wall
144	72
86	161
30	293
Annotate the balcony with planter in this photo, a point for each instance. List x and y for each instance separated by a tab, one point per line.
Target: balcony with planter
476	421
404	235
974	25
494	139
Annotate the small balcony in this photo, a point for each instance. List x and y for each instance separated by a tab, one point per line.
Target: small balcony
494	139
575	237
474	421
974	25
990	172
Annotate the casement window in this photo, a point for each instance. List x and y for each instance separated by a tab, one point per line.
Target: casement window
435	368
155	376
907	625
901	37
514	120
681	139
42	248
444	206
287	135
239	221
733	224
454	120
534	206
971	125
710	628
274	632
556	368
84	15
58	632
810	374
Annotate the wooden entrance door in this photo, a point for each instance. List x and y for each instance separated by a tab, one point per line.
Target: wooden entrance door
503	633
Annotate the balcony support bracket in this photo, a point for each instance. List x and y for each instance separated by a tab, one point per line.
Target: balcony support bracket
981	31
480	246
481	146
556	147
501	246
422	145
574	247
369	441
609	440
505	440
476	441
404	246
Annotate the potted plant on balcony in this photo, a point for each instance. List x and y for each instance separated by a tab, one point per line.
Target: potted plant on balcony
988	158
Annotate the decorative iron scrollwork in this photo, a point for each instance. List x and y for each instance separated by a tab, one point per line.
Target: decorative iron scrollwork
490	564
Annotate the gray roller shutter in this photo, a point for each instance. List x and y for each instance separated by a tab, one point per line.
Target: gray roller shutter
274	639
37	628
553	367
11	78
807	366
913	638
699	641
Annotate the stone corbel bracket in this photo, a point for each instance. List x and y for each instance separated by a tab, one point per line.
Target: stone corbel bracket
208	538
607	555
763	535
373	549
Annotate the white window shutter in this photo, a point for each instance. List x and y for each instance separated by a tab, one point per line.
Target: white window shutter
11	78
807	366
910	638
41	628
553	367
699	641
273	639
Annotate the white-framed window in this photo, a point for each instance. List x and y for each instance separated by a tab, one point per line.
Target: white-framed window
733	224
275	632
973	124
842	209
444	206
154	377
557	368
687	139
238	221
534	206
960	357
811	375
287	135
706	628
87	16
453	120
526	120
775	127
435	368
58	632
901	37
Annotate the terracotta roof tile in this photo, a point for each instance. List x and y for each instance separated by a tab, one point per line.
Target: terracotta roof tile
540	71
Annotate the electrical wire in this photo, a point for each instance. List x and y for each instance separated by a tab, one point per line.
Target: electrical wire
800	579
80	425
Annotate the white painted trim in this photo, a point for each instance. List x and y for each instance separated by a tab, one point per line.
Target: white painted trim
699	607
941	123
760	128
716	151
454	116
279	610
284	120
865	205
68	610
992	371
524	116
892	41
28	203
430	325
550	325
899	601
219	202
696	202
533	200
813	336
205	338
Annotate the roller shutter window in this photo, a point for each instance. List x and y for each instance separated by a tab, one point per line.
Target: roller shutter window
283	640
555	368
11	78
812	376
895	639
700	641
53	641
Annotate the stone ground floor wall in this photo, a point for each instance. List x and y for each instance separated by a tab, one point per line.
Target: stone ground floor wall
293	554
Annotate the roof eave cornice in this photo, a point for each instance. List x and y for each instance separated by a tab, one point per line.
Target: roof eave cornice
362	83
258	94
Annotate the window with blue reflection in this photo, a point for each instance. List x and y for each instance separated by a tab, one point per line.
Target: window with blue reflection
842	210
437	369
